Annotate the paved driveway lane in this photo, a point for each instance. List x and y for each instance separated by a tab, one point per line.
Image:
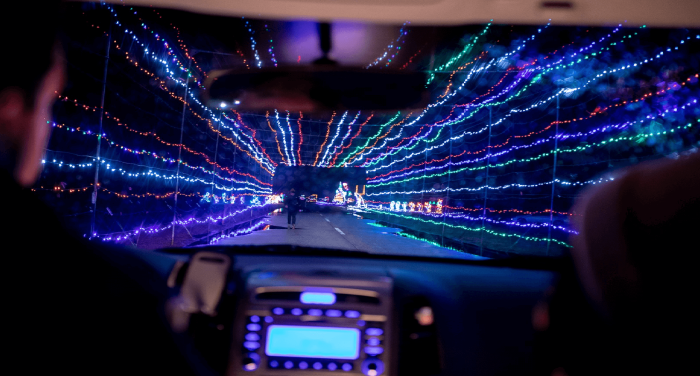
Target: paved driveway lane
312	230
383	240
333	228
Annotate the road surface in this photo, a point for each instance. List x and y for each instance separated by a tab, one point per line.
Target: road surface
332	227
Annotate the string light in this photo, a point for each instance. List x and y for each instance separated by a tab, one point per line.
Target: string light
151	230
638	137
337	132
359	129
472	229
328	131
239	232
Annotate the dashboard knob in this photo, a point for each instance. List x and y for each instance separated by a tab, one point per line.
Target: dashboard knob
373	367
251	361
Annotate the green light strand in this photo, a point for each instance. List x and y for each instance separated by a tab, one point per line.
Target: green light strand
638	138
381	129
504	235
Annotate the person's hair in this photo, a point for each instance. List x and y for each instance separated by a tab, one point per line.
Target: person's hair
29	31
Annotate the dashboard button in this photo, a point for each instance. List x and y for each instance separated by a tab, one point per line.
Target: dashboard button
318	365
303	365
254	318
374	331
332	366
274	364
269	319
256	337
253	327
333	313
250	345
372	342
278	311
288	364
371	350
296	311
352	314
315	312
347	367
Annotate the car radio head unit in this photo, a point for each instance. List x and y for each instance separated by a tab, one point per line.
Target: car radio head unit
319	328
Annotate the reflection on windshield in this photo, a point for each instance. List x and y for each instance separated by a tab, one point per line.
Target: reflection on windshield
521	120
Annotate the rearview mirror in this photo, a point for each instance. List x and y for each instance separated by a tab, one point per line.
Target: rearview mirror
318	88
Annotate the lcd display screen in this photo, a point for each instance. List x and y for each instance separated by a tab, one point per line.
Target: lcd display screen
313	342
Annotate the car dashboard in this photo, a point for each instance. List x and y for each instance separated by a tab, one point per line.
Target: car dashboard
284	311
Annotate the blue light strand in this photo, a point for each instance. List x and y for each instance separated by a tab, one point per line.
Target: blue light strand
151	230
560	136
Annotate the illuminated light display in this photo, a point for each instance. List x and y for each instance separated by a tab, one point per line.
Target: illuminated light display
461	68
467	48
154	135
477	229
410	60
410	236
110	168
274	132
156	156
253	43
359	154
342	193
324	162
291	143
255	151
563	91
561	136
289	160
510	223
164	61
359	129
272	53
491	210
244	231
328	131
301	138
152	230
359	201
654	112
636	138
274	199
392	49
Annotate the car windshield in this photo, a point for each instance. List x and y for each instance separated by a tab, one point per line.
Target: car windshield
517	122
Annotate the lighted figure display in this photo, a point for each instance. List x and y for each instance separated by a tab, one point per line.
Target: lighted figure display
428	206
242	199
255	201
359	201
419	207
275	199
403	206
412	206
391	206
342	193
438	207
